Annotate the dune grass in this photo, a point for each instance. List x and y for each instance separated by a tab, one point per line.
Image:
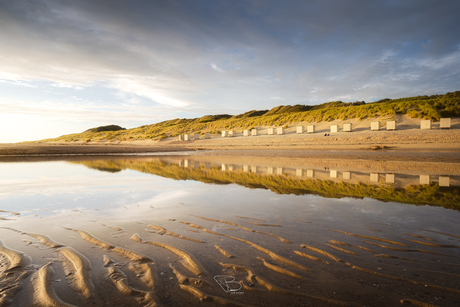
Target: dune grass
429	107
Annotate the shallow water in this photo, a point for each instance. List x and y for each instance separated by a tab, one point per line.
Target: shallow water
300	233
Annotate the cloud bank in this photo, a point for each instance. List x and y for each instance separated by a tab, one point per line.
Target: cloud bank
161	59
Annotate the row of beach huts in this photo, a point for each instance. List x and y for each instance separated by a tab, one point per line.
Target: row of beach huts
444	123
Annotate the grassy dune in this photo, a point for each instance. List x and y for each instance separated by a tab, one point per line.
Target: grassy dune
429	107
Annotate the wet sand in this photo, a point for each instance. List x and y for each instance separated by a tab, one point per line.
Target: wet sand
194	260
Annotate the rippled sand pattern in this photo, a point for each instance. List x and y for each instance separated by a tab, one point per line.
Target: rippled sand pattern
242	267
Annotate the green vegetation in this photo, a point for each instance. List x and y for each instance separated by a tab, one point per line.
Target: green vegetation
429	107
431	195
106	128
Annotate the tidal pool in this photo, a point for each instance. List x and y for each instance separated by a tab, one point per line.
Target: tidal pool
208	230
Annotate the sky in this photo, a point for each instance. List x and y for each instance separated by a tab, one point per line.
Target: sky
67	66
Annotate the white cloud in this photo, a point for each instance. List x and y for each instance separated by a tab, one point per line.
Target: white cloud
216	68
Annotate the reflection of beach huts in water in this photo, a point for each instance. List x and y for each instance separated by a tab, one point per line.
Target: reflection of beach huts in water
424	179
374	177
443	181
299	172
390	178
310	173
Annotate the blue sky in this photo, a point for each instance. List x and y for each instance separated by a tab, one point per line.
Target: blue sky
66	66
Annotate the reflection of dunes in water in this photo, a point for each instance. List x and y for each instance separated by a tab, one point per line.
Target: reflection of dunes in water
277	278
414	193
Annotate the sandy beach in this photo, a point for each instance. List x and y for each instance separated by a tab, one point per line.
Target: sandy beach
407	143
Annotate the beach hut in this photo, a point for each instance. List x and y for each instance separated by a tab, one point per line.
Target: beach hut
271	131
425	124
311	128
299	172
246	133
375	126
346	175
280	130
347	127
181	137
334	128
187	137
254	132
444	123
196	136
231	133
207	135
224	134
310	173
300	129
391	125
